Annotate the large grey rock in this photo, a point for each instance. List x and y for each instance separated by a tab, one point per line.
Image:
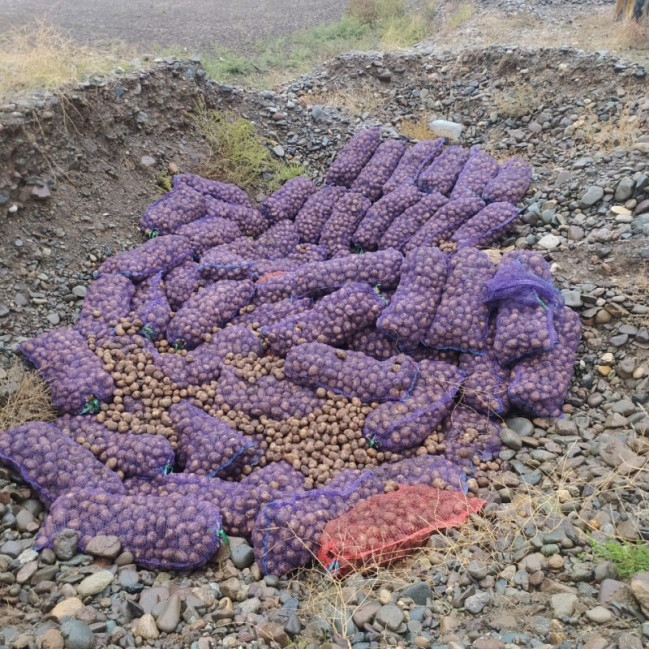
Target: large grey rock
640	590
624	189
476	603
390	616
169	617
242	556
95	583
419	593
563	604
65	545
77	634
593	195
104	546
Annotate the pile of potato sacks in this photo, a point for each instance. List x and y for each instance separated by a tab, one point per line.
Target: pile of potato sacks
260	370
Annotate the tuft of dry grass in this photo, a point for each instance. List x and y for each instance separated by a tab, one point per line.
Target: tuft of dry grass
517	100
354	101
24	396
38	57
621	130
416	128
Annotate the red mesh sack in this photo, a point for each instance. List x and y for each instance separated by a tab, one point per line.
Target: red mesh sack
388	527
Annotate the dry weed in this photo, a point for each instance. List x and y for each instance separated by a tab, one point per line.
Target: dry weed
416	128
354	101
620	130
517	100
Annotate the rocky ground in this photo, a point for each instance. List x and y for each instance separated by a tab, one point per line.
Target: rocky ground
77	171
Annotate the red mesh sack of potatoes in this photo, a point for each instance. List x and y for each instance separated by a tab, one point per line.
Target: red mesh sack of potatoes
387	527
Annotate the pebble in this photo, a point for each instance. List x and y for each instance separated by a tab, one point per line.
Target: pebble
146	628
390	616
95	583
169	618
563	604
67	608
599	615
476	603
242	556
65	545
593	195
549	241
104	546
77	634
385	596
52	639
273	633
419	593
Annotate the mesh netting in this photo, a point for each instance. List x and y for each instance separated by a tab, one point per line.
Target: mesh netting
286	202
487	226
352	374
336	234
397	426
278	241
388	527
217	189
208	232
180	282
510	183
302	253
477	172
441	174
75	375
353	157
228	261
271	312
207	445
372	342
160	533
412	161
151	307
379	169
316	211
52	464
180	206
251	222
431	470
273	287
471	437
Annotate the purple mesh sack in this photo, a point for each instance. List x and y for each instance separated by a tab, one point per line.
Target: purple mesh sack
485	386
410	313
180	282
286	202
477	172
405	225
149	258
380	215
332	320
206	445
278	241
204	363
303	253
412	161
150	305
264	315
127	454
223	191
251	222
525	299
403	425
353	157
372	342
287	531
430	470
378	170
208	309
228	261
208	232
540	382
382	267
446	221
352	374
160	533
347	213
316	211
273	288
75	375
107	301
511	182
441	175
52	464
471	437
487	226
165	215
462	318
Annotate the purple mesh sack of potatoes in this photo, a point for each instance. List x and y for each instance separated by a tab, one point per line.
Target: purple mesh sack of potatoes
405	225
431	470
316	211
287	531
347	213
150	305
160	533
303	253
403	425
270	313
228	261
471	437
223	191
149	258
485	386
477	172
278	241
378	170
445	222
540	382
380	215
208	232
526	300
462	318
273	288
410	313
510	184
382	267
251	222
412	161
353	157
107	300
486	227
180	282
127	454
332	320
165	215
203	364
286	202
352	374
207	445
372	342
52	464
76	376
441	175
208	309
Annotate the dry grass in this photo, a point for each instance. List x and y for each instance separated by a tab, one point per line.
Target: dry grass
354	101
621	130
28	398
517	100
38	57
416	128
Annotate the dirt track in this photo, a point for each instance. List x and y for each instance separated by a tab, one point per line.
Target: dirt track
193	24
